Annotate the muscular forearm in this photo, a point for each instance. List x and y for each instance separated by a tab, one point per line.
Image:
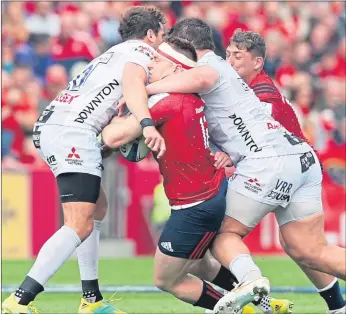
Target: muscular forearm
122	130
197	80
137	99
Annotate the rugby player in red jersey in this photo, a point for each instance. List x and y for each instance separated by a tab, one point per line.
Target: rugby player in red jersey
246	53
194	186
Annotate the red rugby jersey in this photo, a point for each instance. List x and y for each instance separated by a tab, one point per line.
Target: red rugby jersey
282	110
187	166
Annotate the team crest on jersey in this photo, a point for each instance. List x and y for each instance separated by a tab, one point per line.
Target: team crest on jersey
146	50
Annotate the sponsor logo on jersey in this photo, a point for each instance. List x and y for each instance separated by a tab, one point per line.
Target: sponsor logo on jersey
281	192
273	126
65	98
146	50
252	185
52	162
245	134
96	101
199	110
73	158
306	161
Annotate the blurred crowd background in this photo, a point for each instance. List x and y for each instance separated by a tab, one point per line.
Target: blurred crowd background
44	44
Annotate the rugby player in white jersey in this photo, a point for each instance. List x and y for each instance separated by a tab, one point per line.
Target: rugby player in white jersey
66	136
246	52
276	172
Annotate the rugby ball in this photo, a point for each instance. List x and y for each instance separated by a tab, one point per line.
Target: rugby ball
136	150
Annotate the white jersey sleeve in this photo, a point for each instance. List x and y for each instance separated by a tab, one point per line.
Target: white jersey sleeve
238	122
90	98
139	55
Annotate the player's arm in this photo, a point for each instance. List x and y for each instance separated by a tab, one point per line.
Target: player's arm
134	80
120	131
135	75
197	80
125	129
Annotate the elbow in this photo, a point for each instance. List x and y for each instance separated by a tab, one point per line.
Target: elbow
207	82
113	140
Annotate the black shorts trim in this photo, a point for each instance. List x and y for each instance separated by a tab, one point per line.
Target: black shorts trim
78	187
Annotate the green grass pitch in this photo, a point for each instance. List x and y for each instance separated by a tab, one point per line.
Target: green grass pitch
139	271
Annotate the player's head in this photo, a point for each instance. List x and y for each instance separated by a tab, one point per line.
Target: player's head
173	56
144	23
195	31
246	52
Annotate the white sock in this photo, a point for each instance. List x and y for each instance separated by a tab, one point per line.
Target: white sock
54	253
244	268
88	254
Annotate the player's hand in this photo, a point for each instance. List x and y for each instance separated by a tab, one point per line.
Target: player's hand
154	140
222	160
121	106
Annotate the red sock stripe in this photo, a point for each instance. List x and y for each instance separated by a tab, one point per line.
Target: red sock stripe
205	245
210	288
213	295
199	245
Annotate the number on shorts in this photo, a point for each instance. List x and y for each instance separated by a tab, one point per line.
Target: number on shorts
203	123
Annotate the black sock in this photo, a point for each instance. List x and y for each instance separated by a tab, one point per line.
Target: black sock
225	279
91	290
28	290
209	297
333	297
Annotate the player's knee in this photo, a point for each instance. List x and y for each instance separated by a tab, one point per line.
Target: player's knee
82	227
163	283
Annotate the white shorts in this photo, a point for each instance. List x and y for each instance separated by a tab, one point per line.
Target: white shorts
67	149
290	186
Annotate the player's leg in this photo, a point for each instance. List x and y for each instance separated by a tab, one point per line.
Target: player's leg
79	193
327	285
88	254
184	240
230	250
209	269
246	206
314	252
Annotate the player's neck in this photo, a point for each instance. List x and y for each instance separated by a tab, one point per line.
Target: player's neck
201	53
251	77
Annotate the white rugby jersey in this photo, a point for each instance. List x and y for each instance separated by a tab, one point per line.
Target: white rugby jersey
90	98
238	122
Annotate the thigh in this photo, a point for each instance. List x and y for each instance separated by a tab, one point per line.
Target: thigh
305	234
306	200
67	149
78	187
189	232
270	181
169	267
245	212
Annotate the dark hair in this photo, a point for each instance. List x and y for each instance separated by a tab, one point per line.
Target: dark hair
182	46
195	31
250	41
138	20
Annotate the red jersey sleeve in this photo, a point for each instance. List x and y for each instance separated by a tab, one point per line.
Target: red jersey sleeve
164	106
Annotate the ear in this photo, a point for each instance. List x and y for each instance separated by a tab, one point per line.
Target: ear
259	62
150	35
178	68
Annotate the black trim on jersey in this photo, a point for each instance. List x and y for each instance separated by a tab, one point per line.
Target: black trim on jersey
265	85
265	91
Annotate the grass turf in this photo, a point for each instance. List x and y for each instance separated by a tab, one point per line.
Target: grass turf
139	271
